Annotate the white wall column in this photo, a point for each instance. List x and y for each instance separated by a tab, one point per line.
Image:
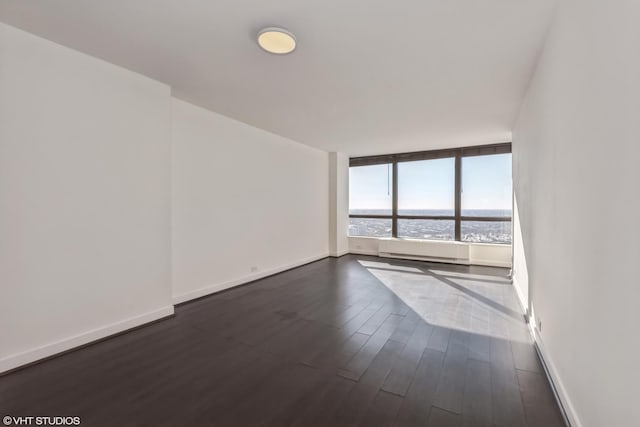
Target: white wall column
338	204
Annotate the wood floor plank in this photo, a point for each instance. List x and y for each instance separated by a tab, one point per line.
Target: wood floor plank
539	405
406	327
477	405
441	418
360	361
383	410
322	409
507	405
403	370
416	405
333	358
525	357
273	398
358	321
452	382
375	321
439	339
353	408
377	371
347	315
480	347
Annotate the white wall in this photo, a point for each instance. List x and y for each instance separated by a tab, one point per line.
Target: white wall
242	198
519	271
338	204
576	180
84	198
364	245
496	255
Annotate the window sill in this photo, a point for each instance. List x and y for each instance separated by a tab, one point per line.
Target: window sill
410	239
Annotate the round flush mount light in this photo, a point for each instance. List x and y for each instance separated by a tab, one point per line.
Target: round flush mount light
276	40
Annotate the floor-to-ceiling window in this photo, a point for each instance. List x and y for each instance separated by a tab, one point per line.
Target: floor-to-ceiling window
461	194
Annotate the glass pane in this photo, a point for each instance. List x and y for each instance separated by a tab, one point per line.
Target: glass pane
426	187
486	231
431	229
370	190
370	227
486	185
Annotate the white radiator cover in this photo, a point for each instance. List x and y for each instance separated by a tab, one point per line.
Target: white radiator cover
457	252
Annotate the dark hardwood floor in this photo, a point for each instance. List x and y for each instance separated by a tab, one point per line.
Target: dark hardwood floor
354	341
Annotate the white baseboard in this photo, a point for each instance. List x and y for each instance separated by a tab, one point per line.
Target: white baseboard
363	252
556	382
16	360
490	263
338	254
211	289
424	258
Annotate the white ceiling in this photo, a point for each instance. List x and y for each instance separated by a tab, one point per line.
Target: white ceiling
368	76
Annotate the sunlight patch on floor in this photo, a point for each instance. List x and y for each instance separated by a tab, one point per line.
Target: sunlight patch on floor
479	304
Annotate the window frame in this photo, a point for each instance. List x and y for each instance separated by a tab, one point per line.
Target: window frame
457	154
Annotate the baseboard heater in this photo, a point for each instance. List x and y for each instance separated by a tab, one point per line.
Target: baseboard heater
452	252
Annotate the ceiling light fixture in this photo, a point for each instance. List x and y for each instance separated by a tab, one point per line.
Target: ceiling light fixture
276	40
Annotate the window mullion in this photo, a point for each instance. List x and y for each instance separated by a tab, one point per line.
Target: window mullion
458	198
394	212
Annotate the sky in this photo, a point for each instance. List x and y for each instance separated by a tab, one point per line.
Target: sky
429	184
